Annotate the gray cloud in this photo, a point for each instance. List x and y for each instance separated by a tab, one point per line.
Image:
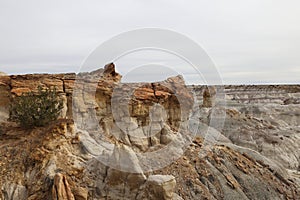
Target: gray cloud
250	41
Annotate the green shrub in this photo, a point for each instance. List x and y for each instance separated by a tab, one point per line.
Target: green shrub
36	109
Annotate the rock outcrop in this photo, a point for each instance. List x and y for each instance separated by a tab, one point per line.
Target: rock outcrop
209	97
134	141
264	118
5	95
61	189
48	153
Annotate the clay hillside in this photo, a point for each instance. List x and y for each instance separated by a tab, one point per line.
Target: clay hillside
117	140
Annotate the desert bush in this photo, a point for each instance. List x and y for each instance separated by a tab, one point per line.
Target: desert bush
36	109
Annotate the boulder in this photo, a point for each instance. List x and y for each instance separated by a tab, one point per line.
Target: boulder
159	187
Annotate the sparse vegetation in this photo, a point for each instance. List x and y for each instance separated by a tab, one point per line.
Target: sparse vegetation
36	109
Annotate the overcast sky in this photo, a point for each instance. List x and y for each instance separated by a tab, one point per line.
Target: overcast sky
250	41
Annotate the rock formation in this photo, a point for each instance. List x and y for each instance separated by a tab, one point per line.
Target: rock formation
110	140
209	97
61	189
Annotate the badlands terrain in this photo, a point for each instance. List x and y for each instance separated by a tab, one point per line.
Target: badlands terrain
161	140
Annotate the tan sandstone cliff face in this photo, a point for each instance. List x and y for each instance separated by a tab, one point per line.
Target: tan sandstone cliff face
62	161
